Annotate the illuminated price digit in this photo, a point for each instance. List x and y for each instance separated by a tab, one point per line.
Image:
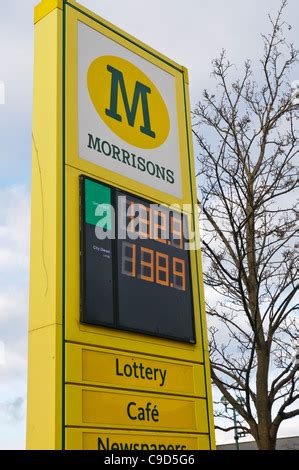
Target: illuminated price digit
144	221
162	269
179	279
160	226
147	264
128	260
176	230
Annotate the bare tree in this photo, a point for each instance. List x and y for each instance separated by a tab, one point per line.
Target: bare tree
247	179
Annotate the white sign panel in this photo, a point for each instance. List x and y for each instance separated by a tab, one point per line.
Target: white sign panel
127	111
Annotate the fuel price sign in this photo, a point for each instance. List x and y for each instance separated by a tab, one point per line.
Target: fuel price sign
135	270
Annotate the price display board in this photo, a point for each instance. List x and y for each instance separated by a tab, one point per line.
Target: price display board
135	268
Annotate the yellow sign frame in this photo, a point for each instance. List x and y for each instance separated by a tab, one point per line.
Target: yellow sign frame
96	366
54	288
113	440
95	407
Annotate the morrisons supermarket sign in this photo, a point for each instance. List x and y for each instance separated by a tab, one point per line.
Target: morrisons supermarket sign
127	113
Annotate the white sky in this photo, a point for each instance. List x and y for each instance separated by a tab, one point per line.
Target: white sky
192	32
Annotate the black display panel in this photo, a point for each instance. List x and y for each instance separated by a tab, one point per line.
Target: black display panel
135	270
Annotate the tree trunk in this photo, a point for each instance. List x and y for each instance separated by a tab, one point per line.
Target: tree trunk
266	442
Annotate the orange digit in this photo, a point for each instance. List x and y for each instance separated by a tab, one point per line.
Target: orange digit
128	258
162	269
144	221
149	265
176	230
179	274
160	228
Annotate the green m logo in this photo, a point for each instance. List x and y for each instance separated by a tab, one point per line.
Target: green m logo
128	102
140	92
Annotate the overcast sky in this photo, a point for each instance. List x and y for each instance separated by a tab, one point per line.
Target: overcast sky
192	32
